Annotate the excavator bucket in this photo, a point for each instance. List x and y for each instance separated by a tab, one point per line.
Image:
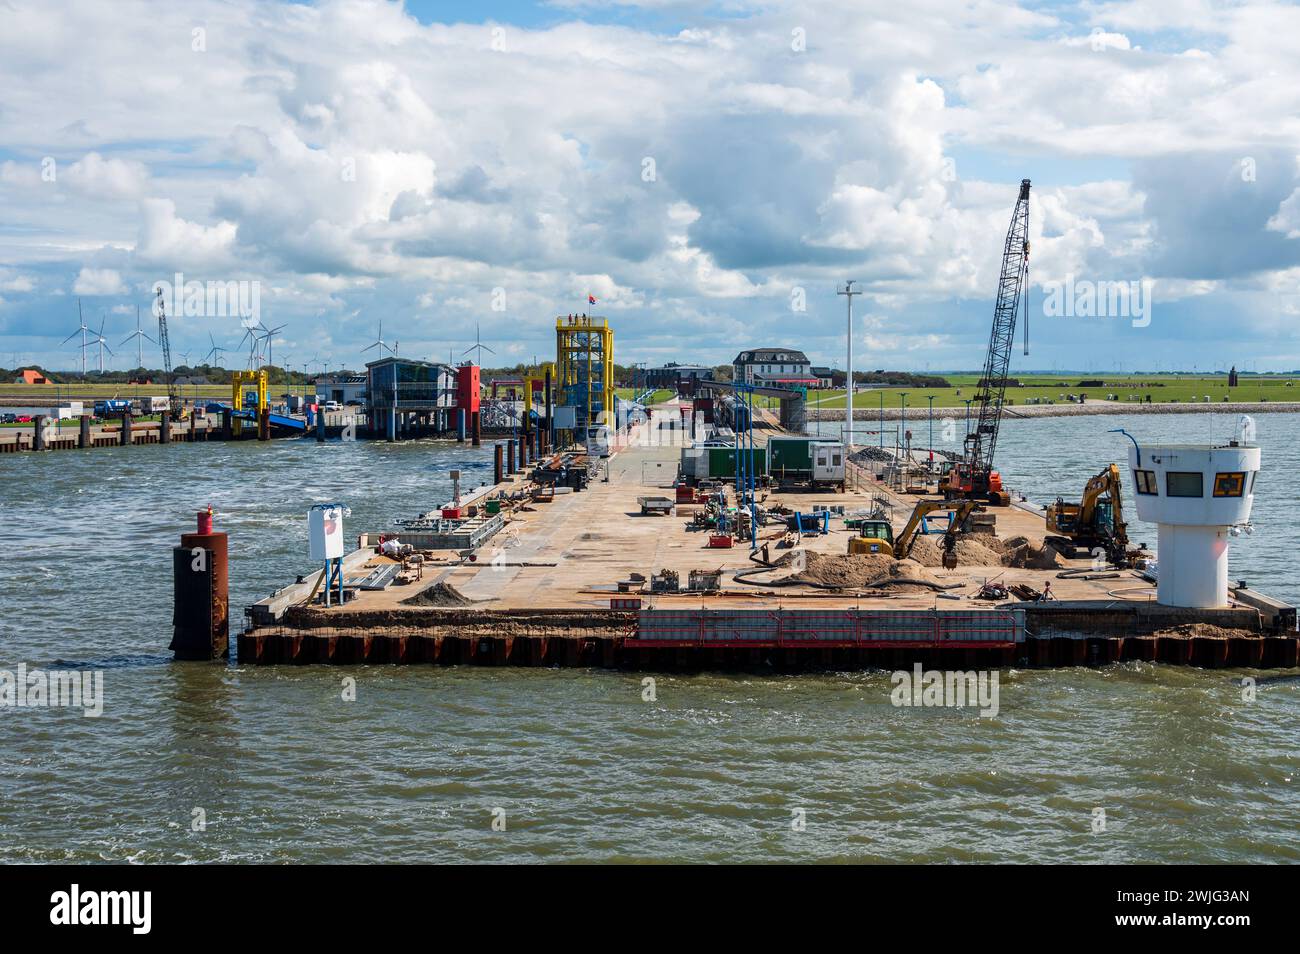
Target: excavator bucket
949	560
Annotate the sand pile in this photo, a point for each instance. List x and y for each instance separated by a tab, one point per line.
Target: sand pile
1188	630
928	551
439	594
1018	551
859	569
1032	556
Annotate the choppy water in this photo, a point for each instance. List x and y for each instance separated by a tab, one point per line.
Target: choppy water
713	770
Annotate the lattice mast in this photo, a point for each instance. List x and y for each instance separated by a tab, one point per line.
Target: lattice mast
982	443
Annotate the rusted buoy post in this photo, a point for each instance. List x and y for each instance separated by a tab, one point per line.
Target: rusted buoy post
201	600
83	433
496	467
124	435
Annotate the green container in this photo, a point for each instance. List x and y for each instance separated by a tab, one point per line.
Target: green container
791	457
722	462
493	507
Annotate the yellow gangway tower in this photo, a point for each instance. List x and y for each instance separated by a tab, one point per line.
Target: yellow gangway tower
584	368
535	386
254	399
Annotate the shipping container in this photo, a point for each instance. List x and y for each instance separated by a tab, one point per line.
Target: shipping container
806	460
719	463
722	462
153	405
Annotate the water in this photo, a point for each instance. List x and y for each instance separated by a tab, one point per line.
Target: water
285	770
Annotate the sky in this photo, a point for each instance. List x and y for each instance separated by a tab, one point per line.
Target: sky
710	172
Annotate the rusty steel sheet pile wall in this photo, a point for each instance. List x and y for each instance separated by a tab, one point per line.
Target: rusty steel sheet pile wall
822	628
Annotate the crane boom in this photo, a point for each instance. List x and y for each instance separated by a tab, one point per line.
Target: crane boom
981	444
164	342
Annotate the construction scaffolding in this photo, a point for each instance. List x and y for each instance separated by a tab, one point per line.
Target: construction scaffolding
584	360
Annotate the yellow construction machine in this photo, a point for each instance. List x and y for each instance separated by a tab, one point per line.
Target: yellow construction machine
1095	523
876	536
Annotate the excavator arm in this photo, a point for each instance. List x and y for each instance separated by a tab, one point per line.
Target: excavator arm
960	509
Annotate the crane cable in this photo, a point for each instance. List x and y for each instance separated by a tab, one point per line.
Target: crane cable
1024	284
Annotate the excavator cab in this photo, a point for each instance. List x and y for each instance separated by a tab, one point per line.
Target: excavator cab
958	484
874	536
1103	516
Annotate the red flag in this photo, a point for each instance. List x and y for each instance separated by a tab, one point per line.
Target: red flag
591	299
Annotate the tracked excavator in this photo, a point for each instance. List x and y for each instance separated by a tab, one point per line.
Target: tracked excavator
1095	523
876	536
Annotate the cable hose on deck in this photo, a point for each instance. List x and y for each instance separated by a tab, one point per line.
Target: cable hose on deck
743	576
1081	573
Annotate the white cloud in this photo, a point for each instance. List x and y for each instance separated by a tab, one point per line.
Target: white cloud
1099	40
1287	217
97	177
357	161
168	240
19	283
98	281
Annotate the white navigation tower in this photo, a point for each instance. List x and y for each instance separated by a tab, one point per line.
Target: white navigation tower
1199	496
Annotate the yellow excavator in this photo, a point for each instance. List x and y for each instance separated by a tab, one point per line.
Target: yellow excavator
1095	522
876	536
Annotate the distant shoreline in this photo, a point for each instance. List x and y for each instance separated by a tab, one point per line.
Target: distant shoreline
1064	410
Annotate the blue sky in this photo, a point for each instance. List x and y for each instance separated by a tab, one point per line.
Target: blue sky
709	172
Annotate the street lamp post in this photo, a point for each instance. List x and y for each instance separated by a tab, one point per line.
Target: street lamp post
930	440
848	292
882	420
902	429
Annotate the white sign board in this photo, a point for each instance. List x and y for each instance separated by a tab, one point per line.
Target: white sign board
325	530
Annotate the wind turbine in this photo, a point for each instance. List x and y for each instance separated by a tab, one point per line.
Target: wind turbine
185	356
478	346
140	337
250	335
103	344
380	343
82	331
268	334
217	350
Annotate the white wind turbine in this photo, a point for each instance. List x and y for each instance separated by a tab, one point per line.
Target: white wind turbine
80	331
216	351
380	343
250	335
478	346
103	344
140	337
267	335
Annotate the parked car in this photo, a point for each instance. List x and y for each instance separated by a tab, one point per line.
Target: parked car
23	419
8	418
